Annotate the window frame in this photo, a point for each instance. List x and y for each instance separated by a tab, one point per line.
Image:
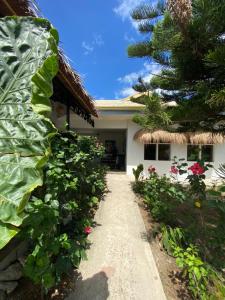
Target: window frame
200	152
157	151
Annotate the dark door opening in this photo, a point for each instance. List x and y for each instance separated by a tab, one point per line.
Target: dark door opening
114	142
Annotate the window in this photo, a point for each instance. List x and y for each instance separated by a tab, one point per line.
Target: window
150	152
163	151
207	153
196	152
157	152
193	152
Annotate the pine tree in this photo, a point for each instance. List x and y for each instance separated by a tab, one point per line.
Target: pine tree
181	11
189	43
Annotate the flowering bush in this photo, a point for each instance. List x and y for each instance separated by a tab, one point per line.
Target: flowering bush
195	177
174	170
197	169
60	214
160	195
87	230
151	170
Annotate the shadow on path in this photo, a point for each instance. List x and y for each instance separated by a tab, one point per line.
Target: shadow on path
94	288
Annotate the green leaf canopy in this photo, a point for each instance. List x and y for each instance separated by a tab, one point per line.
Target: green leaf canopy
28	63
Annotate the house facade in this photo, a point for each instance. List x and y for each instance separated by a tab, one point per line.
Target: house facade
115	129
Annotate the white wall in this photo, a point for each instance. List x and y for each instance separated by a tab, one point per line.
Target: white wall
135	155
119	122
135	150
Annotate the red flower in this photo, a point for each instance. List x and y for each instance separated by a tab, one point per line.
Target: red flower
174	170
151	169
197	169
87	230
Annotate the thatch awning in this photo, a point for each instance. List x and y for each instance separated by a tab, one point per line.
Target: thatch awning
204	138
162	136
67	76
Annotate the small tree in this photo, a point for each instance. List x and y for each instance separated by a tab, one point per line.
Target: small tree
188	43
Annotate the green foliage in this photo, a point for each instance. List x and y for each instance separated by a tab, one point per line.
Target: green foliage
28	55
61	210
195	237
147	12
203	281
140	49
155	115
137	172
172	237
139	187
195	177
161	196
194	268
192	61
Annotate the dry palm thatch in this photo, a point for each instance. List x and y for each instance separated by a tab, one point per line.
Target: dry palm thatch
206	138
67	76
160	136
181	11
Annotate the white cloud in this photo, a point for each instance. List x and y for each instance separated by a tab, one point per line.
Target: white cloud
87	47
97	41
146	73
125	92
128	80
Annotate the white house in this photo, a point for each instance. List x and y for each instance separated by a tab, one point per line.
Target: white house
127	145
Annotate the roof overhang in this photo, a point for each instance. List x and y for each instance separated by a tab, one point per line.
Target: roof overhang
162	136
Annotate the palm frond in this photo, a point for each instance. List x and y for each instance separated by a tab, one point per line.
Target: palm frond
221	171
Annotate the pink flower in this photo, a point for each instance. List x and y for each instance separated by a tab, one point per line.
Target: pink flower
197	169
174	170
87	230
151	169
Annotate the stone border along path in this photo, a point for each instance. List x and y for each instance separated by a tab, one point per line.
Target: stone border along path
120	263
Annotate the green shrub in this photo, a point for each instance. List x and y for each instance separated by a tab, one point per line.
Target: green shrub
203	281
139	187
194	268
161	196
60	213
172	237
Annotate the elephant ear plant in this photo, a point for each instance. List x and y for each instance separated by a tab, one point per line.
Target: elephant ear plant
28	63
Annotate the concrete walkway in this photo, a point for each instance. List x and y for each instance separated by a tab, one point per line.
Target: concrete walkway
120	263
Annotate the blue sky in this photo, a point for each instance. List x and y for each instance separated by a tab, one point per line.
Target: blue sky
94	35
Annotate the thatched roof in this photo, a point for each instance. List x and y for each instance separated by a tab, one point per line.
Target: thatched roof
206	138
162	136
68	77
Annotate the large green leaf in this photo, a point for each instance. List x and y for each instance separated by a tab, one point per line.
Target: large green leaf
28	63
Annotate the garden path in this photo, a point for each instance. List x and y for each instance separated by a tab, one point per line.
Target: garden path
120	263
